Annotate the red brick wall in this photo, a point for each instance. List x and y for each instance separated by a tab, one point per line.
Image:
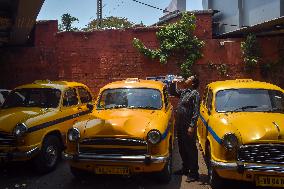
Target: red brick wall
99	57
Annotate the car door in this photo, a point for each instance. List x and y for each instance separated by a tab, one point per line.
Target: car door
201	121
85	98
207	114
70	108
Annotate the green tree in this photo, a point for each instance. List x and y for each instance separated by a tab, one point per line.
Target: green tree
251	52
178	40
109	23
66	23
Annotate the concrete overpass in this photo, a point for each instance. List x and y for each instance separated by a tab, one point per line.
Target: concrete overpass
17	19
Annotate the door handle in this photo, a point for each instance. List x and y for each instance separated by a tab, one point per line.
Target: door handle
79	108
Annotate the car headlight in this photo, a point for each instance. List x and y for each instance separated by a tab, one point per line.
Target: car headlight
20	130
230	141
154	136
73	134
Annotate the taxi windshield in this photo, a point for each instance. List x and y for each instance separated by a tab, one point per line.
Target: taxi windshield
33	97
133	98
250	100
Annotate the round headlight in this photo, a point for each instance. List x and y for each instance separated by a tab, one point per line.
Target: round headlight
73	134
230	141
20	130
154	136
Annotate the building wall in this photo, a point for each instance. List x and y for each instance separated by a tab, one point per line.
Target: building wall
235	14
99	57
259	11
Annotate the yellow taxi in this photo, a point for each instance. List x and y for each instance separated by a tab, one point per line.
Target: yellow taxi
35	118
241	132
130	131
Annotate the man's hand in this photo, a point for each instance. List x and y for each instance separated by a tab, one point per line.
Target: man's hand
190	131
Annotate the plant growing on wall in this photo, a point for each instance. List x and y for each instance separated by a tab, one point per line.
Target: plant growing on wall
66	23
251	52
111	22
176	39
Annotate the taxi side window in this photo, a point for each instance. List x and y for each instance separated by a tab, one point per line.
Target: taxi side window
166	97
85	96
70	98
209	100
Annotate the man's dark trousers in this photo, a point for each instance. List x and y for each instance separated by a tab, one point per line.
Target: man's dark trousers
187	147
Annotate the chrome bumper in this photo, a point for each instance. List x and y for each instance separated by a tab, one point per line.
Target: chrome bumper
17	155
147	159
252	167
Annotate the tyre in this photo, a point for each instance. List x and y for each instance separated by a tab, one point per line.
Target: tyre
215	181
166	174
49	155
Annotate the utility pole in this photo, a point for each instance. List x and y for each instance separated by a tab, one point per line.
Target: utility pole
99	13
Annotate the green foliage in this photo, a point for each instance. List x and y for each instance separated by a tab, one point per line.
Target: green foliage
176	39
251	52
109	23
66	23
222	69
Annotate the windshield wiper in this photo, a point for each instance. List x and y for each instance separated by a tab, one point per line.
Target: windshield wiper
117	107
144	107
244	108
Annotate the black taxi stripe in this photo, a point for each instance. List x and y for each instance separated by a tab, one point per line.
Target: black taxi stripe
57	121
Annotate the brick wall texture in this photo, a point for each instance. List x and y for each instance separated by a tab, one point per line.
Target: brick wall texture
99	57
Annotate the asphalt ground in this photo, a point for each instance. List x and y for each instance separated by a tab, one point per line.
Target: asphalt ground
23	175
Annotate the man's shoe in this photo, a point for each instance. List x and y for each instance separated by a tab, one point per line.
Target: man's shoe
192	178
181	172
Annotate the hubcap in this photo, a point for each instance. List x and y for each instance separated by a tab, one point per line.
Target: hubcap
51	155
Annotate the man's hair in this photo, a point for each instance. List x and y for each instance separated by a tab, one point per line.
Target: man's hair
195	82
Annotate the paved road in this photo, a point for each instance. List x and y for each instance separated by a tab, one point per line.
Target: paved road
22	175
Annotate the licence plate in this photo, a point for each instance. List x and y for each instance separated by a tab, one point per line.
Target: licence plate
108	170
270	181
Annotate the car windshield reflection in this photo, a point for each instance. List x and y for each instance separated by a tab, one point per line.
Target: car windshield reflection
37	97
135	98
250	100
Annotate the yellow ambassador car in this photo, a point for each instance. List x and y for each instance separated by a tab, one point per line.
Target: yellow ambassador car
35	118
241	132
130	131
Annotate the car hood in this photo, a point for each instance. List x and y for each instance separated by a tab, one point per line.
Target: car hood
119	123
10	117
257	127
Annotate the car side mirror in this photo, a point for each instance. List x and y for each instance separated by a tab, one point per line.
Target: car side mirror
90	107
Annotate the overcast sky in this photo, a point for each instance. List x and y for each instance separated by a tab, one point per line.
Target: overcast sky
85	10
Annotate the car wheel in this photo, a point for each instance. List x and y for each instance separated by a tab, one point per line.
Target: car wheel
49	155
78	173
166	174
214	179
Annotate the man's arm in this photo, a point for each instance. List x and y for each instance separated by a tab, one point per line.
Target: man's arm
196	106
179	92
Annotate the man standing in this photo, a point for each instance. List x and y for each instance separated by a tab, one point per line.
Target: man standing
186	118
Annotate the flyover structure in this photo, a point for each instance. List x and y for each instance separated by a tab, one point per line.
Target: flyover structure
17	20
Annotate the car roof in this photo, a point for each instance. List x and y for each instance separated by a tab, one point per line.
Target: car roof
135	83
241	83
61	85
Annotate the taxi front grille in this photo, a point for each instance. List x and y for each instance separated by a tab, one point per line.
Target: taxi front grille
114	141
262	153
7	139
113	146
113	151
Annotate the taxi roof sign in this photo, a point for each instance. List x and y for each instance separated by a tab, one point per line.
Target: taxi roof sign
132	80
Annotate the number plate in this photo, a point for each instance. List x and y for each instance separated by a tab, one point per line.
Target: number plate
108	170
270	181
